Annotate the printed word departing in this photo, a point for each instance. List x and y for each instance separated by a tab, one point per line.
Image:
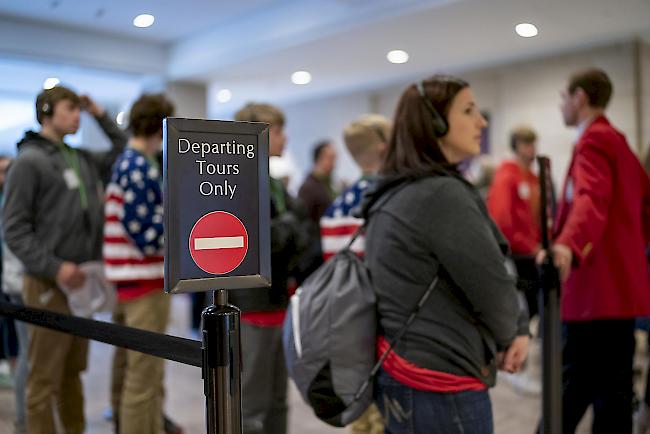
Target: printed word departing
223	188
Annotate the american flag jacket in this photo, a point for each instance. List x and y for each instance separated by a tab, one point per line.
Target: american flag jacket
133	229
338	224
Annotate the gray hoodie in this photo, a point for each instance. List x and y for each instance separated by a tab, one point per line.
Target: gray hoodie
44	222
439	226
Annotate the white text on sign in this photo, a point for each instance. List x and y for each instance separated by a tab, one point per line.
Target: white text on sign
202	149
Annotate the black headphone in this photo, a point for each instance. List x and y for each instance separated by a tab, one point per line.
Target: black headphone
47	108
513	143
440	126
44	106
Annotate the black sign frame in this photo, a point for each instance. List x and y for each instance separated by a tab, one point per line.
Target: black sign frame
177	277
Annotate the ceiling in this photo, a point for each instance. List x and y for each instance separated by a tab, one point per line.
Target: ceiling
174	19
252	46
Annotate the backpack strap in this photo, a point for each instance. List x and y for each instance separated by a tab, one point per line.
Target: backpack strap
361	229
383	200
396	339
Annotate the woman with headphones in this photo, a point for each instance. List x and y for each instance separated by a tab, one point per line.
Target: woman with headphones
436	232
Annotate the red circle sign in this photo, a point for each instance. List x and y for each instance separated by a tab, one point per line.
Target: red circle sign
218	242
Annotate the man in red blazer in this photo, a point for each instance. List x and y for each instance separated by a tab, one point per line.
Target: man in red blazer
602	230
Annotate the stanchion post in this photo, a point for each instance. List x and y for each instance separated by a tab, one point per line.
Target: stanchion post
551	321
222	366
552	351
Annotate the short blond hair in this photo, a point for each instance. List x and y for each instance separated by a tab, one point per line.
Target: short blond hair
522	134
362	135
261	112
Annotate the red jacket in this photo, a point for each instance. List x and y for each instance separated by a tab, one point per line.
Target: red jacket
604	217
513	203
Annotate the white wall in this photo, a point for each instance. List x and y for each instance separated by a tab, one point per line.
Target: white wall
525	92
645	95
309	122
190	99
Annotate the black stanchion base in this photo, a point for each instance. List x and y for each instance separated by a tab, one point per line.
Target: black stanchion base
222	366
551	324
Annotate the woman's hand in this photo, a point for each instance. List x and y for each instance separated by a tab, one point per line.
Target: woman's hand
515	356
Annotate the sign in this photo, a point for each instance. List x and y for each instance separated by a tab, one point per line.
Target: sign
218	242
217	206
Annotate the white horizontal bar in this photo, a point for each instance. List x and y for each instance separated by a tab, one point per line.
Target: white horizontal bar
218	243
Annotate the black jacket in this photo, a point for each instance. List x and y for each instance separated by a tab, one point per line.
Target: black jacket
439	225
291	236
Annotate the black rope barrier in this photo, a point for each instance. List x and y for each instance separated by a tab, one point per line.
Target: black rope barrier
180	350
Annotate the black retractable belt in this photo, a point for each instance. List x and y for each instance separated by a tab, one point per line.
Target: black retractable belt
180	350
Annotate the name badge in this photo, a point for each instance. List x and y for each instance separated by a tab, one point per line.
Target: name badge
71	179
524	191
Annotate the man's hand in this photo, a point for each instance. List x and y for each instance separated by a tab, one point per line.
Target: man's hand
70	276
88	104
562	259
515	356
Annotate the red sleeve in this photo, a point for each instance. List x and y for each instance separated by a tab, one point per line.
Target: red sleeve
592	191
503	207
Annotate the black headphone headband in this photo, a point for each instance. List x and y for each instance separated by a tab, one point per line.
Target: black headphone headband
440	126
44	106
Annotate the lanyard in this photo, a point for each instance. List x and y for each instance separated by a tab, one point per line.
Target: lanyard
72	160
277	193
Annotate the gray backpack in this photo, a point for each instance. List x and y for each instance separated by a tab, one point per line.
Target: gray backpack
329	337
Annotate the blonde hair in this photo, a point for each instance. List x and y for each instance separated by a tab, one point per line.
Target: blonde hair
362	135
522	134
261	112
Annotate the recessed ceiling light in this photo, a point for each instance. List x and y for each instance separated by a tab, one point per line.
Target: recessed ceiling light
120	118
397	56
526	30
224	95
143	20
49	83
301	77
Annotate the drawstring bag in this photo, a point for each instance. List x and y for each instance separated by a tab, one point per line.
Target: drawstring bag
329	337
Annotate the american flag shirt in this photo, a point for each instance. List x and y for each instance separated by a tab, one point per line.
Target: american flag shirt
133	229
338	224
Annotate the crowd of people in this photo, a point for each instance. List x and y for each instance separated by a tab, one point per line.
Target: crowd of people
483	251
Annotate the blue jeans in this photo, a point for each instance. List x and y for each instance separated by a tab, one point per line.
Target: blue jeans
409	411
